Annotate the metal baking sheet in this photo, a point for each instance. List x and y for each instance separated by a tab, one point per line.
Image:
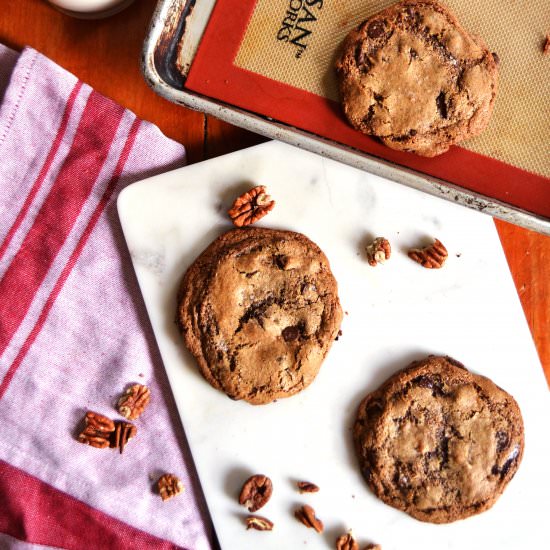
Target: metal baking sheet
168	51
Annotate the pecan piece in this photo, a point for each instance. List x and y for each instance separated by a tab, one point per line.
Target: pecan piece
124	431
97	431
259	523
306	515
251	206
306	487
169	485
378	251
133	401
347	542
431	257
256	492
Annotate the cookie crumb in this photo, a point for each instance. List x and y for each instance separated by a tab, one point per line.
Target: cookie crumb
546	45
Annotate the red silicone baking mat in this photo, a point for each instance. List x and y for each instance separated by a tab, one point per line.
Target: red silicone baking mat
243	33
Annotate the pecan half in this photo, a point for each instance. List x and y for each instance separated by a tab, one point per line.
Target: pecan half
431	257
124	431
251	206
259	523
133	401
346	542
378	251
97	431
306	515
169	485
256	492
307	487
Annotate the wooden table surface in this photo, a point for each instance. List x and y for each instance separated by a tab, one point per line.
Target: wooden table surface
106	55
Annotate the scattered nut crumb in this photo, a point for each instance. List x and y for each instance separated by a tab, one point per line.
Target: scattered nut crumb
259	523
134	401
256	492
378	251
431	257
169	485
307	487
346	542
546	45
306	515
251	206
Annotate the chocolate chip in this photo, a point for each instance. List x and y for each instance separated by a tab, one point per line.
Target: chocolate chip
413	54
361	60
291	333
281	261
423	381
502	440
412	133
376	29
441	103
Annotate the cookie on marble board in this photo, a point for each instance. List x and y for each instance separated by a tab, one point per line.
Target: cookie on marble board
413	77
437	441
259	311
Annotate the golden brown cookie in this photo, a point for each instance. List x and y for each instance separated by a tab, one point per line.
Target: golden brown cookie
412	76
438	441
259	310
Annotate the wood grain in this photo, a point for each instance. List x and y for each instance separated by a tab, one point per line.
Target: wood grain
106	55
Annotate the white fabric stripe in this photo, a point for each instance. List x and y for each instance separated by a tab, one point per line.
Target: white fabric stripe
7	542
37	92
61	155
68	247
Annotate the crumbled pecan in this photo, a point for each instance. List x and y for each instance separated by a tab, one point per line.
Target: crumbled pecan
97	431
306	515
546	45
256	492
133	401
259	523
378	251
307	487
124	431
251	206
169	485
347	542
431	257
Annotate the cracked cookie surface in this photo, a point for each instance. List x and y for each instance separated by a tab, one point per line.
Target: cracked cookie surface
437	441
259	310
413	77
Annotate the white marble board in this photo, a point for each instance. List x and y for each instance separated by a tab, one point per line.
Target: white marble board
396	313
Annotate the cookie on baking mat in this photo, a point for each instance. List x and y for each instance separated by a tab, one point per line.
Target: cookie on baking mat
259	310
438	441
412	76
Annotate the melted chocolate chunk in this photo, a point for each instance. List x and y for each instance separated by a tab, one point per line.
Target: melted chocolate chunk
441	103
291	333
376	29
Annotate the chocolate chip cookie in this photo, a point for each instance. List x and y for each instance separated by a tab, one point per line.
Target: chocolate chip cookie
437	441
413	77
259	310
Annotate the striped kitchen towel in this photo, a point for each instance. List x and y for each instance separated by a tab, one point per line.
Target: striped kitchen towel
73	328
